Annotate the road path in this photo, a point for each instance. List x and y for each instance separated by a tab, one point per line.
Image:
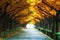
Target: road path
30	34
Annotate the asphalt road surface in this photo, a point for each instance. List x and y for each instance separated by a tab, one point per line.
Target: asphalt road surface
30	34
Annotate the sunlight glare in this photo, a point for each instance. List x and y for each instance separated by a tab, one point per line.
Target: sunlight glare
30	26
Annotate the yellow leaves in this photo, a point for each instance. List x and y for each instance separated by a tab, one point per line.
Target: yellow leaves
31	2
32	22
24	12
37	9
54	3
37	20
44	7
34	2
58	3
39	1
50	1
35	13
29	18
26	19
53	12
31	8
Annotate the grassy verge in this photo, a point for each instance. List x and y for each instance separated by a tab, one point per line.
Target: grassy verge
10	33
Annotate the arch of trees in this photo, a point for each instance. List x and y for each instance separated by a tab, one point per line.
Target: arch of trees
15	13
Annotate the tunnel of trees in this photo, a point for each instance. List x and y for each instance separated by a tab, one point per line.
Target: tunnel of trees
50	26
8	19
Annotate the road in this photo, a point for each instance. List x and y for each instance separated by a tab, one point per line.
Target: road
30	34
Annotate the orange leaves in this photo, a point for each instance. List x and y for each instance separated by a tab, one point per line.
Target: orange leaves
32	10
44	7
50	1
58	4
54	3
53	12
46	10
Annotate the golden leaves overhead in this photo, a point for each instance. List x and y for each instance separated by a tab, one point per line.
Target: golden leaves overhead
32	11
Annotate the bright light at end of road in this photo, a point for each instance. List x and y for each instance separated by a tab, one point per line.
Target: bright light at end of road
30	26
